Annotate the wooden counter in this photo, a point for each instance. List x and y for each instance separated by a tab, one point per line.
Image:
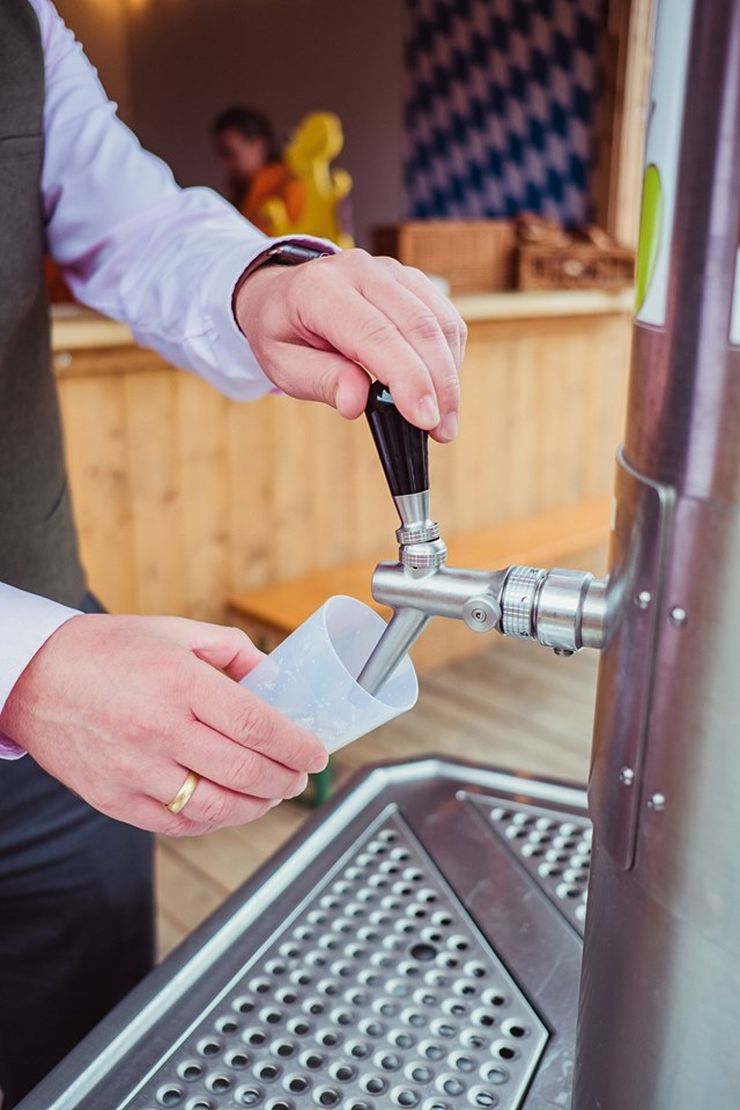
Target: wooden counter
78	329
184	498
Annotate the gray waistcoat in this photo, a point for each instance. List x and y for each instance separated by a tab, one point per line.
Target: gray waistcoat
38	547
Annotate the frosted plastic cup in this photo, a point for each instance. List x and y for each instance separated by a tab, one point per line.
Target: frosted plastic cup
311	677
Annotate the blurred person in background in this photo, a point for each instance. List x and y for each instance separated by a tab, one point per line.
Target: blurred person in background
245	143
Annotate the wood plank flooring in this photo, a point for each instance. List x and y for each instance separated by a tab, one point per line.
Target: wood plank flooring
516	706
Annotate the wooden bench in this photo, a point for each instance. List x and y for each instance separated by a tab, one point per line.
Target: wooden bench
555	537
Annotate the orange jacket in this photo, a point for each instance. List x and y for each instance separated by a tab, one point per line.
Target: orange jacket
273	180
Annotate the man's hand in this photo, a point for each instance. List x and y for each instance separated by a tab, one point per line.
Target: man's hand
317	328
121	708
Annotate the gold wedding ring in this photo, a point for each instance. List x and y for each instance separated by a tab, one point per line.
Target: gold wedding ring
184	794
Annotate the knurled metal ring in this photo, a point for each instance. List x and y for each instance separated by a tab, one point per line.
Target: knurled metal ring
417	533
423	556
518	599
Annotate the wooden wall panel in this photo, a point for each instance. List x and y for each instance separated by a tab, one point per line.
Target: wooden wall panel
249	484
155	490
622	117
184	498
205	480
95	416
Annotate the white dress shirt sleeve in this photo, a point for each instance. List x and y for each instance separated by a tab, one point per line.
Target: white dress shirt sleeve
27	622
136	247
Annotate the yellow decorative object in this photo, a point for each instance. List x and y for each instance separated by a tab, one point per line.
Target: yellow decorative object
318	139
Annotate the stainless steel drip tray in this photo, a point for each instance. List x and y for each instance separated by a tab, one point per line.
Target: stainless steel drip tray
417	944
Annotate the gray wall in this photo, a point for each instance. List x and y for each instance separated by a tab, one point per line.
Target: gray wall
188	60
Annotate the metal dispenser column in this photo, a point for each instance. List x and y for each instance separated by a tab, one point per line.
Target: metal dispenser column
659	1024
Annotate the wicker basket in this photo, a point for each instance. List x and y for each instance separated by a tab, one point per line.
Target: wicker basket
579	266
474	256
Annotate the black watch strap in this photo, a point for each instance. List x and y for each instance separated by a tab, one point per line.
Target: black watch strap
280	254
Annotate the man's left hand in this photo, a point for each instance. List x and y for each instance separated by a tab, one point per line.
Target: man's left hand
320	329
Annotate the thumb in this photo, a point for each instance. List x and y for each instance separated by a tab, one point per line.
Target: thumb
350	395
329	377
228	649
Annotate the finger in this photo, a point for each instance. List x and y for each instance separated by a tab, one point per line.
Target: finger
240	769
353	386
210	807
416	281
228	708
364	334
228	649
423	331
326	376
451	322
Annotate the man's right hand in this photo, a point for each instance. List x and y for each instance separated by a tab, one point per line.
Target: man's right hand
121	708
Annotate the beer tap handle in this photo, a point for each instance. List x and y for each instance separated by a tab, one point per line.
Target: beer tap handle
403	449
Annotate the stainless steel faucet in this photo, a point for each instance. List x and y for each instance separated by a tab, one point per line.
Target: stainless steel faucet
559	608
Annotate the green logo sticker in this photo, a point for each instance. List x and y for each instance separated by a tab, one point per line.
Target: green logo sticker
651	222
662	148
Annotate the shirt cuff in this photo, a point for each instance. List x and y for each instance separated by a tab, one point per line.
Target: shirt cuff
223	344
26	623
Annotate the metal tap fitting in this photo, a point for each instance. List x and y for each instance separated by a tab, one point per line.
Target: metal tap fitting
419	545
560	608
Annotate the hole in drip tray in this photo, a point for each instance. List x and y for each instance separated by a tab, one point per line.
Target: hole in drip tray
170	1096
191	1071
210	1048
423	952
249	1096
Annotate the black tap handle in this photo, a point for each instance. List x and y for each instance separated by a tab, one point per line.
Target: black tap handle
402	448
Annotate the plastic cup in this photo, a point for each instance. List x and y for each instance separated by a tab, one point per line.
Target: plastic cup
311	677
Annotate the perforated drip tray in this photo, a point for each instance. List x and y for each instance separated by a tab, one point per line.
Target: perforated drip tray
392	955
556	852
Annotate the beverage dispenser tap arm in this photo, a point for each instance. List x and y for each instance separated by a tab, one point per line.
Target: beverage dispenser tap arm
559	608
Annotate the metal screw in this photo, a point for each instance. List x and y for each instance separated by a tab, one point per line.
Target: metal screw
643	599
657	803
626	776
678	616
481	613
563	652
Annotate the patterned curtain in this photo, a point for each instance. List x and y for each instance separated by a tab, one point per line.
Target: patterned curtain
500	106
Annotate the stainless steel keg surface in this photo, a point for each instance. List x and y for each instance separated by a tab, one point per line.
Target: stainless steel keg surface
417	944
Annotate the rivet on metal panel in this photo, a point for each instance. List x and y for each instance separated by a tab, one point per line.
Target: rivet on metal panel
643	599
678	616
656	802
626	776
